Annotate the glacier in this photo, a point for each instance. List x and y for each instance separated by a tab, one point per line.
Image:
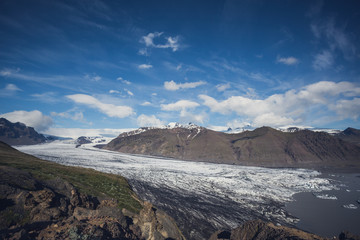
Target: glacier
202	197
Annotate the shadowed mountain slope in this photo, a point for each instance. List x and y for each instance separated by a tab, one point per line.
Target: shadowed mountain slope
19	133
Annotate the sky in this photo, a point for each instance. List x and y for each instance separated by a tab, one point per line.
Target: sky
108	65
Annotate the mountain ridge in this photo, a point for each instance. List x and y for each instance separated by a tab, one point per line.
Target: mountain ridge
263	146
19	134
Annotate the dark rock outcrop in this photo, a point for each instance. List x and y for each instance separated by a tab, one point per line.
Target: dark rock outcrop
19	134
262	147
259	230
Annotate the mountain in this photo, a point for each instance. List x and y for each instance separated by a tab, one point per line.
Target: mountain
350	135
45	200
261	147
19	134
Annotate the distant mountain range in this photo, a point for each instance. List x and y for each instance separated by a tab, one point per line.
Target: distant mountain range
19	134
264	146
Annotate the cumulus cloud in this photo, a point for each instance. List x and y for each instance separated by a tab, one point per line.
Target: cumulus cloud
149	121
323	60
179	105
110	110
33	119
185	107
173	86
145	66
292	106
186	116
223	87
146	103
148	40
347	108
287	60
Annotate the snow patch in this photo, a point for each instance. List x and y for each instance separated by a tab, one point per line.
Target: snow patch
171	125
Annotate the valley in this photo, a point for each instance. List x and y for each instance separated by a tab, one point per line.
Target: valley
201	197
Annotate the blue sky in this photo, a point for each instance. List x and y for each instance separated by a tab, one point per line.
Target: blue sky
125	64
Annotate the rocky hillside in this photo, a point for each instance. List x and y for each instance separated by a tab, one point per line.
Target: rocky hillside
262	147
44	200
18	133
259	230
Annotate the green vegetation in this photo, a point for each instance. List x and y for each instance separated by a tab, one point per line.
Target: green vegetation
87	181
12	216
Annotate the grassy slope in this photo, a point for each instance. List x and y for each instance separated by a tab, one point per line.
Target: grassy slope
87	181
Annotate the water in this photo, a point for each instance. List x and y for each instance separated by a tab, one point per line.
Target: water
201	197
331	212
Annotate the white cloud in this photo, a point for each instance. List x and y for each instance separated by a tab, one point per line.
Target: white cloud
186	116
236	123
12	87
146	103
336	37
110	110
71	114
179	105
148	40
113	91
145	66
92	77
123	81
149	121
323	60
270	119
9	90
47	97
292	106
7	72
173	86
288	60
33	119
143	52
347	108
223	87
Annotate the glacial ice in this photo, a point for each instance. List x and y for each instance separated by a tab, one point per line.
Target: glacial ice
325	196
350	206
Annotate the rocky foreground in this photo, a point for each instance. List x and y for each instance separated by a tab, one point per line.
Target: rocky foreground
42	205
